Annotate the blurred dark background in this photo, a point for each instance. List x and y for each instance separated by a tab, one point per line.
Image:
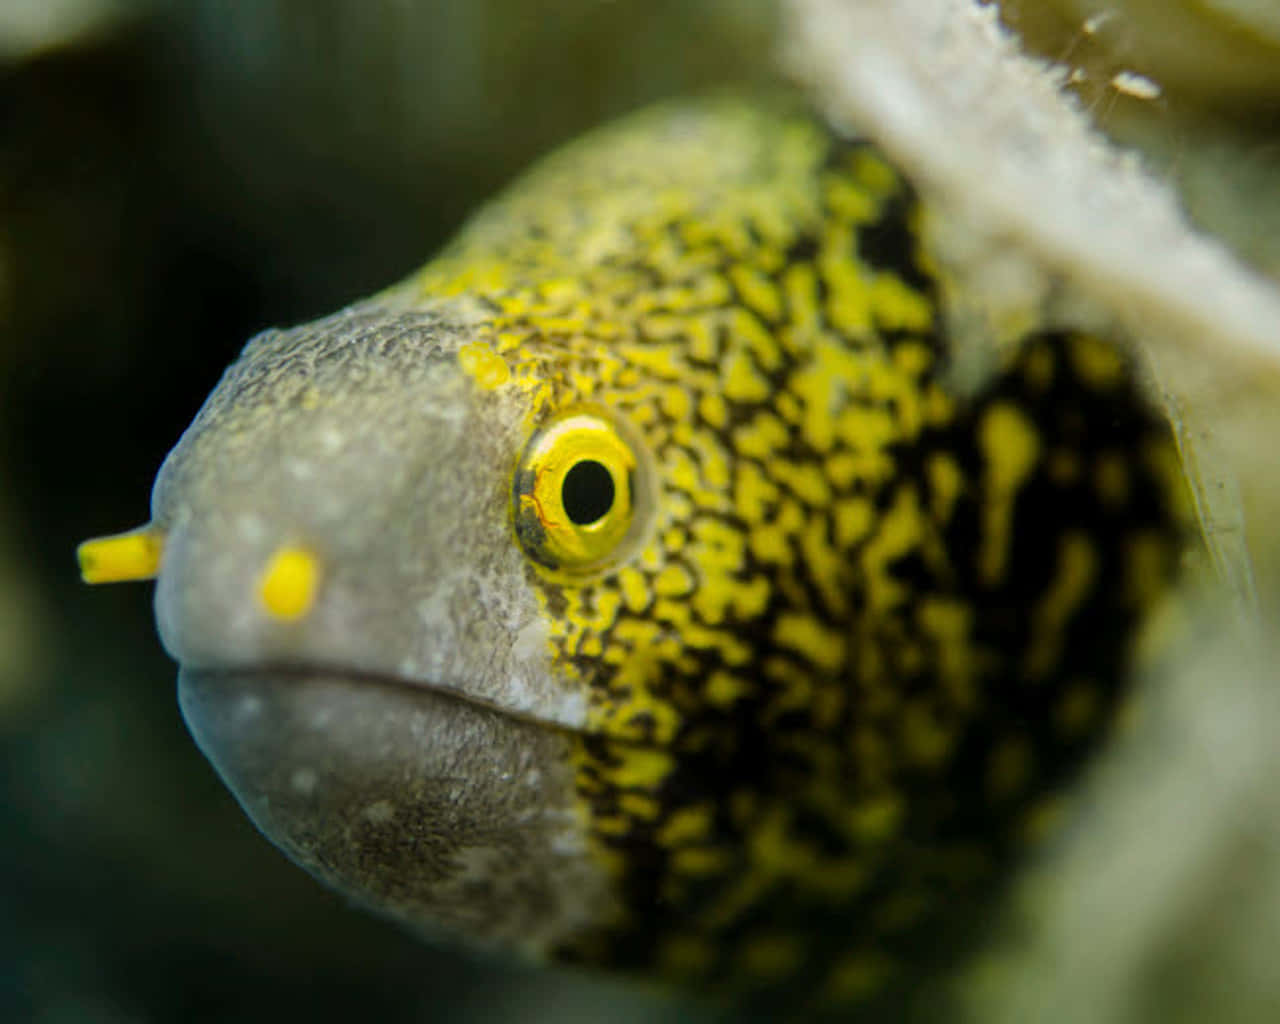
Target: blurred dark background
173	178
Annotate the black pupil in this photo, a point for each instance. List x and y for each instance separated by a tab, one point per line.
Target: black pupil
587	493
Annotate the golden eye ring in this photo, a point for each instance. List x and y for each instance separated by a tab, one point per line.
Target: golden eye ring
580	496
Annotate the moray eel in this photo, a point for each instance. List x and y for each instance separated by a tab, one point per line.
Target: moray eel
628	586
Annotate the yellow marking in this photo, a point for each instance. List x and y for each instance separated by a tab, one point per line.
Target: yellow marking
749	331
700	861
640	805
826	566
612	825
742	382
673	581
913	358
946	483
712	408
1011	446
287	587
713	598
642	767
805	481
949	622
757	291
761	437
675	403
722	689
753	492
751	596
878	818
846	200
842	470
874	174
488	369
1098	364
865	430
701	338
685	825
1077	567
900	530
823	646
849	305
635	589
898	306
605	611
723	546
123	557
771	543
800	285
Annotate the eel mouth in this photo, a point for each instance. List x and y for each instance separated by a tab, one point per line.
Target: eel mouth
286	736
368	683
274	731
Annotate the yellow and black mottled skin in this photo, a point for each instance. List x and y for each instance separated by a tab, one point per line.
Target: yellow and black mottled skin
828	680
877	628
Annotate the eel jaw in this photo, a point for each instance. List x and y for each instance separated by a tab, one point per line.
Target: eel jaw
442	814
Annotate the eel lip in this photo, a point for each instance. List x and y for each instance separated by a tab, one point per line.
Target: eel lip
430	809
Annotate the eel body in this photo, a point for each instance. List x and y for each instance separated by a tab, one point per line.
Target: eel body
629	587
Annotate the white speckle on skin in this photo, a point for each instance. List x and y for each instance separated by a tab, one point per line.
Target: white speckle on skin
299	469
567	843
569	708
380	812
531	639
251	528
331	440
433	610
477	863
248	707
303	781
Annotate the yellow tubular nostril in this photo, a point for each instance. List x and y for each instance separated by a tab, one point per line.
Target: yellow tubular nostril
124	556
287	587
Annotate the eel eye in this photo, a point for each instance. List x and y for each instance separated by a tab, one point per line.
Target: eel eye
577	493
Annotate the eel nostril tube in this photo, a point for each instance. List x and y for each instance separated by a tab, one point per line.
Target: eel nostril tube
134	555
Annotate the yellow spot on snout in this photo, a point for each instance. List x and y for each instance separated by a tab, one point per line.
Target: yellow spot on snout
287	587
125	556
